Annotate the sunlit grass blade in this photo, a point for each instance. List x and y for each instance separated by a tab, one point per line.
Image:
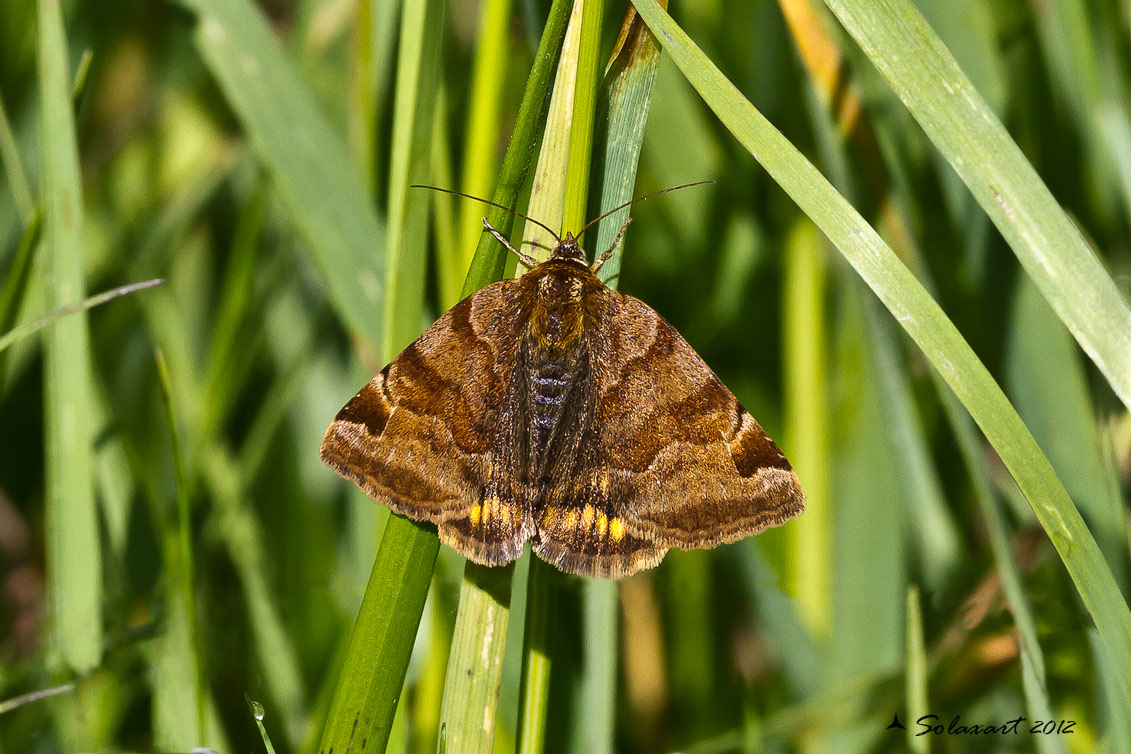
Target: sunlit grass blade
373	43
810	564
582	110
451	259
928	326
475	664
600	661
74	557
490	258
313	172
429	689
626	96
29	328
929	82
548	192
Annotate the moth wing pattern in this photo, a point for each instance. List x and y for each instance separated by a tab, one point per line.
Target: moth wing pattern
432	435
691	467
580	522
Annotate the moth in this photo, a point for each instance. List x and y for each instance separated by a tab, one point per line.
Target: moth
552	409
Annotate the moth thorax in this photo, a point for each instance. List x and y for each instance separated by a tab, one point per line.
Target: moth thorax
558	317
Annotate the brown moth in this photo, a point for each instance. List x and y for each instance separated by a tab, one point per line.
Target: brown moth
553	409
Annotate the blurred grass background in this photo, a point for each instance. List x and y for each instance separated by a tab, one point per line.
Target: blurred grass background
170	542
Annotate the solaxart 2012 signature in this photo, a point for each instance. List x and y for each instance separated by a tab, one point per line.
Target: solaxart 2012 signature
930	725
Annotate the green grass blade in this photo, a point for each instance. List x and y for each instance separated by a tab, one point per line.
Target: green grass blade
14	168
451	259
541	604
319	183
625	100
928	326
916	678
74	557
19	271
584	105
373	672
34	696
601	602
475	664
488	75
183	587
258	713
490	258
945	103
406	240
17	280
548	195
807	410
373	43
231	345
29	328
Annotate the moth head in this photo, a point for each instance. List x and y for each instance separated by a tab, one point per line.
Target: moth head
569	249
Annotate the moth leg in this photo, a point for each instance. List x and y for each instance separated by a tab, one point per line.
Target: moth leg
609	251
527	260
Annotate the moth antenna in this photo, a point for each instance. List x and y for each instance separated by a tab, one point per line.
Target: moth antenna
609	251
527	260
514	212
630	202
